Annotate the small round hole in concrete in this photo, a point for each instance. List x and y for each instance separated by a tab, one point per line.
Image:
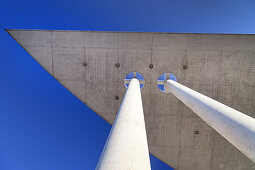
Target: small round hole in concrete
84	64
136	75
196	132
163	78
117	97
151	66
185	67
117	65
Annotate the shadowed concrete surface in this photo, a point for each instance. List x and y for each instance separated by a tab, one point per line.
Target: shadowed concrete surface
220	66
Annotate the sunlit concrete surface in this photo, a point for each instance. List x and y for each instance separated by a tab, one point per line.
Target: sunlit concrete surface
127	147
219	66
236	127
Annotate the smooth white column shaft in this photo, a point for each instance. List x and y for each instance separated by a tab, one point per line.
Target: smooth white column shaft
126	147
236	127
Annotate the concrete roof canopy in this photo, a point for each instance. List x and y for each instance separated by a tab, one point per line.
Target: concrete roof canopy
220	66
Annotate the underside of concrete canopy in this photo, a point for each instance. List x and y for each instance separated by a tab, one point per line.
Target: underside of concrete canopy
220	66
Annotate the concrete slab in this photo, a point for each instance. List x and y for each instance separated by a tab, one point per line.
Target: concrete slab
68	63
141	41
68	39
101	64
45	38
218	65
101	39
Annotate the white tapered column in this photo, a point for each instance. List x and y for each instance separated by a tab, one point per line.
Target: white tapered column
236	127
126	147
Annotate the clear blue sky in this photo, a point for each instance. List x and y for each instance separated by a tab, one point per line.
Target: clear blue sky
42	125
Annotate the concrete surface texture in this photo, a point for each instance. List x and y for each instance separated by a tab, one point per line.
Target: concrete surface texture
219	66
236	127
126	147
